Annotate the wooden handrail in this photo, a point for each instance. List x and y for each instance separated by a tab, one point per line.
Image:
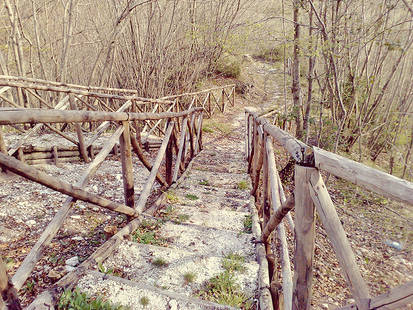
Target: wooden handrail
21	116
92	91
310	191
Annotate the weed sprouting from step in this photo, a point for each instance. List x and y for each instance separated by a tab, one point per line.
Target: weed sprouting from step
148	233
207	129
223	288
159	262
171	197
233	262
106	270
181	218
81	301
248	224
189	277
191	197
204	182
170	213
144	301
243	185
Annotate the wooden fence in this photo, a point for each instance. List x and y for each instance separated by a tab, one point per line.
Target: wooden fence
311	194
19	92
182	140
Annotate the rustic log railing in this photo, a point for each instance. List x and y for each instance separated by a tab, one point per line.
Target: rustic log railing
311	195
61	96
175	158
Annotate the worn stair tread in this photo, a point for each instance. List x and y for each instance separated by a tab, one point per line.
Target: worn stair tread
193	194
216	179
207	240
129	294
137	262
214	216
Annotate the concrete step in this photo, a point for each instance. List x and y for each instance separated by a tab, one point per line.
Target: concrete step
140	296
181	271
206	240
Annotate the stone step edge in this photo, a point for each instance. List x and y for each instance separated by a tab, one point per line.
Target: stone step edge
191	253
179	297
203	227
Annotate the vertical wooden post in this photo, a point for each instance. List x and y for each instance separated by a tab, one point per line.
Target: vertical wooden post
7	290
55	155
20	155
209	105
127	167
82	146
304	239
247	138
199	133
169	157
223	100
181	155
254	146
3	148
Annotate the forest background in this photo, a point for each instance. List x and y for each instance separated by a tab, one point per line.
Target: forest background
344	67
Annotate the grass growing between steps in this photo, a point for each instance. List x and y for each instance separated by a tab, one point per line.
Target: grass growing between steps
148	233
248	224
170	213
223	288
81	301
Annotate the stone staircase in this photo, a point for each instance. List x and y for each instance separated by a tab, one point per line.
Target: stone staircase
199	251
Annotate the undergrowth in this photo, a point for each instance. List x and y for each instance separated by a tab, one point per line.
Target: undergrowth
223	288
148	233
78	300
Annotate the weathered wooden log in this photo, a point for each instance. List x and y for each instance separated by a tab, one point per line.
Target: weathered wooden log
359	174
169	159
55	155
127	166
396	298
149	182
48	161
137	147
61	106
196	93
277	207
63	187
20	155
39	98
68	138
79	90
198	145
297	149
52	228
49	154
81	139
277	217
7	291
283	199
75	86
263	274
304	239
337	236
20	116
102	127
182	138
3	148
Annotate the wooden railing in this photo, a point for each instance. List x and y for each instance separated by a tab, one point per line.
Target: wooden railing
311	194
19	92
182	140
